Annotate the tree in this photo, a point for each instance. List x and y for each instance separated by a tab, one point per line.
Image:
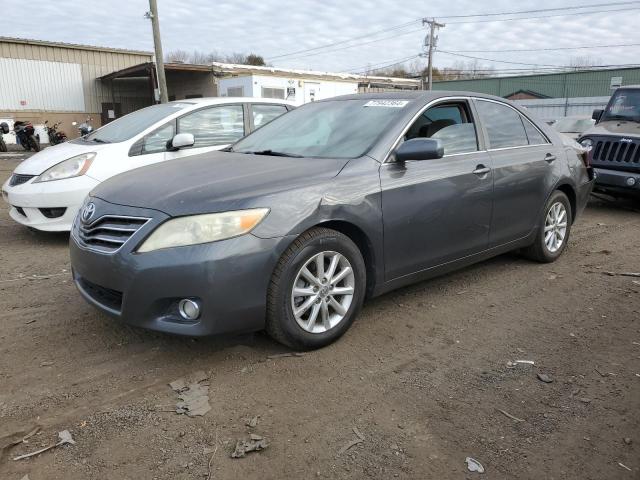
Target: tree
177	56
202	58
583	63
253	59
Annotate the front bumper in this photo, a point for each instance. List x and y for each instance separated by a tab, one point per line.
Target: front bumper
28	200
229	279
617	181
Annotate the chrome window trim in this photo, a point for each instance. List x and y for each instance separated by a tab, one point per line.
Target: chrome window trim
444	99
394	145
549	142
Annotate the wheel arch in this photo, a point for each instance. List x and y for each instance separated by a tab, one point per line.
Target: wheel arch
570	192
362	241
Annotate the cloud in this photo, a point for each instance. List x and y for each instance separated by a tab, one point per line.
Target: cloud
271	28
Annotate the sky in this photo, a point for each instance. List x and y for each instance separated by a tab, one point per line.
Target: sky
273	28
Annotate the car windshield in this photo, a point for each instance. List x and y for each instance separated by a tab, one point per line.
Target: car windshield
329	129
132	124
624	105
573	125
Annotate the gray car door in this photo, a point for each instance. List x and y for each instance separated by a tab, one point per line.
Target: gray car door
436	211
522	159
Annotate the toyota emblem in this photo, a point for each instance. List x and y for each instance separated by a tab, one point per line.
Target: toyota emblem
87	212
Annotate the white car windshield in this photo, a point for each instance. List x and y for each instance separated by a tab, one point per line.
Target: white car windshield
329	129
132	124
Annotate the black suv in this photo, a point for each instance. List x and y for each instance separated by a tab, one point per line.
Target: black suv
615	143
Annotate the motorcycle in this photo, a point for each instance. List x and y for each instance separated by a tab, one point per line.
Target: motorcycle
55	136
85	127
4	129
25	133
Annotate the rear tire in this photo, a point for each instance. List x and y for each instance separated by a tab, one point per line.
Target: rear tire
34	143
554	229
322	270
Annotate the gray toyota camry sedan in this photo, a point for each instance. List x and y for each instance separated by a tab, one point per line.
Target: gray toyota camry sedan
293	227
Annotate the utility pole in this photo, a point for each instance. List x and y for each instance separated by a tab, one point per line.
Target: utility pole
152	14
431	43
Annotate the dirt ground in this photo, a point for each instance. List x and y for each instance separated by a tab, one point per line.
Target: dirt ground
422	376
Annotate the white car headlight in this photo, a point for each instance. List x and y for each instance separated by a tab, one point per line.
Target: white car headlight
196	229
71	167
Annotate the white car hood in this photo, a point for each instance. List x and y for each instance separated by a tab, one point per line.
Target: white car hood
47	158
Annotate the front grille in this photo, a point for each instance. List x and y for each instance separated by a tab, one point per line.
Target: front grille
20	210
104	296
613	153
19	179
108	233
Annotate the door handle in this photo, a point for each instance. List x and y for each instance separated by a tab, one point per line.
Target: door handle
549	158
481	170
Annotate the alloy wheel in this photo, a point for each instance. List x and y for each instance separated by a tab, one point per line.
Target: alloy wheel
322	292
555	227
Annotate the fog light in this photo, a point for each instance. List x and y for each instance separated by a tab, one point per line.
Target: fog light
189	309
631	181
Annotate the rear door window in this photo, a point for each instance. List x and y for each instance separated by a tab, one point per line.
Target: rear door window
533	134
503	125
219	125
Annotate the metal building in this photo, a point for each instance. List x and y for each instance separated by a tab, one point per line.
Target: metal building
58	82
552	95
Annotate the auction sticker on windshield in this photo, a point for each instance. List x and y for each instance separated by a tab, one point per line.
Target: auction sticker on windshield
387	103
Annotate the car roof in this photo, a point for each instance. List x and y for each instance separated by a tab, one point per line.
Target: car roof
220	100
419	96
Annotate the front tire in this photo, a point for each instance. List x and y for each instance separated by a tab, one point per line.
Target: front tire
316	290
553	230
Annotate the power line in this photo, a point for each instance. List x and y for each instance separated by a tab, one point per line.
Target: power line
355	45
547	49
326	45
378	66
499	61
540	10
541	16
406	24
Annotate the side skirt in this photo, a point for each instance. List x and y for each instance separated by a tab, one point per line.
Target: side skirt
444	268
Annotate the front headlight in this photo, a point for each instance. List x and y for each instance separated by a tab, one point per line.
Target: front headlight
72	167
206	228
587	143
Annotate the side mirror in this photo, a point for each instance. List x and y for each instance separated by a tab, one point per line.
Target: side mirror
181	140
420	149
597	113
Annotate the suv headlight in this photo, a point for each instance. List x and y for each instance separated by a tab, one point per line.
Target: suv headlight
196	229
72	167
587	143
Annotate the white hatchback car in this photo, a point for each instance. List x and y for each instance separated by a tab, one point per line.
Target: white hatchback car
46	190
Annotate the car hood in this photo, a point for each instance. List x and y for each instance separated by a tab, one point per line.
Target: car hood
615	127
214	182
50	156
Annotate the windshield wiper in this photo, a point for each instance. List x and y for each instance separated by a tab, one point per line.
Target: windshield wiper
99	140
619	117
274	153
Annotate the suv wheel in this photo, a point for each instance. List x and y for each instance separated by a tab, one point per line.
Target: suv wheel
553	232
316	290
